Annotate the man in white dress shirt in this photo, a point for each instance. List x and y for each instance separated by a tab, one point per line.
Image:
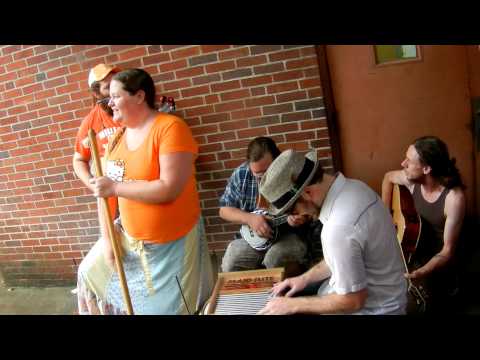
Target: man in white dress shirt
362	267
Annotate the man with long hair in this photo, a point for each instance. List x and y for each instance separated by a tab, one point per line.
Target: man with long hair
438	193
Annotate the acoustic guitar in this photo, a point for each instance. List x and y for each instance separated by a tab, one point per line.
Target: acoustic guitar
409	226
406	220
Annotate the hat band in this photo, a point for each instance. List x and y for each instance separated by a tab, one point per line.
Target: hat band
302	177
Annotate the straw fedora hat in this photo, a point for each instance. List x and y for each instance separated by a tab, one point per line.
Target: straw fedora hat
286	178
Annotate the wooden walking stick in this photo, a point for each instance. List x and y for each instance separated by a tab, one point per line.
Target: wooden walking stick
108	220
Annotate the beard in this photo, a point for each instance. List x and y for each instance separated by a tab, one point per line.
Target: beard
315	213
308	209
105	107
415	179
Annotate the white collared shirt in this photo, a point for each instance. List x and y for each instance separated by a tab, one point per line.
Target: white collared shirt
360	247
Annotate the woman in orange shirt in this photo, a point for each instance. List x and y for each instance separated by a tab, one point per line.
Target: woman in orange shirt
150	168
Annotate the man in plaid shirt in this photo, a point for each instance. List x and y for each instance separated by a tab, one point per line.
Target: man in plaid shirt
240	199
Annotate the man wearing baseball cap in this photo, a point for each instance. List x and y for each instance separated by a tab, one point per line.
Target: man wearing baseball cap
362	270
99	119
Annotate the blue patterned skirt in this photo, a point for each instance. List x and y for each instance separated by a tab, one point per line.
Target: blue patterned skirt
163	279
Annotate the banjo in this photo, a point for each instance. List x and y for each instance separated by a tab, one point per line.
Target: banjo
256	241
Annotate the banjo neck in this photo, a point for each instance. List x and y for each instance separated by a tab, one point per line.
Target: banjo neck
277	221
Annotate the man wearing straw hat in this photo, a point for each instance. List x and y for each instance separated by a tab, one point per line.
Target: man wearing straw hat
362	270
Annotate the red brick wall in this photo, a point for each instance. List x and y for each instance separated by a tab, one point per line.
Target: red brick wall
227	94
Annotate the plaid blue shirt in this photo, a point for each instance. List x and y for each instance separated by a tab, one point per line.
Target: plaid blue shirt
242	190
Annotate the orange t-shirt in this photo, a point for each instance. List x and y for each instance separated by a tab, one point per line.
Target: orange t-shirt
163	222
104	126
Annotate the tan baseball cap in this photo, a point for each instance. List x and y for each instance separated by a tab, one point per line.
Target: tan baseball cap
100	72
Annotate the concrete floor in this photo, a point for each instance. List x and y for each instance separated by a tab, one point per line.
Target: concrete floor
37	301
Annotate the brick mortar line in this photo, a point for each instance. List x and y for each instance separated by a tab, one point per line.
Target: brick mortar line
69	221
54	149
